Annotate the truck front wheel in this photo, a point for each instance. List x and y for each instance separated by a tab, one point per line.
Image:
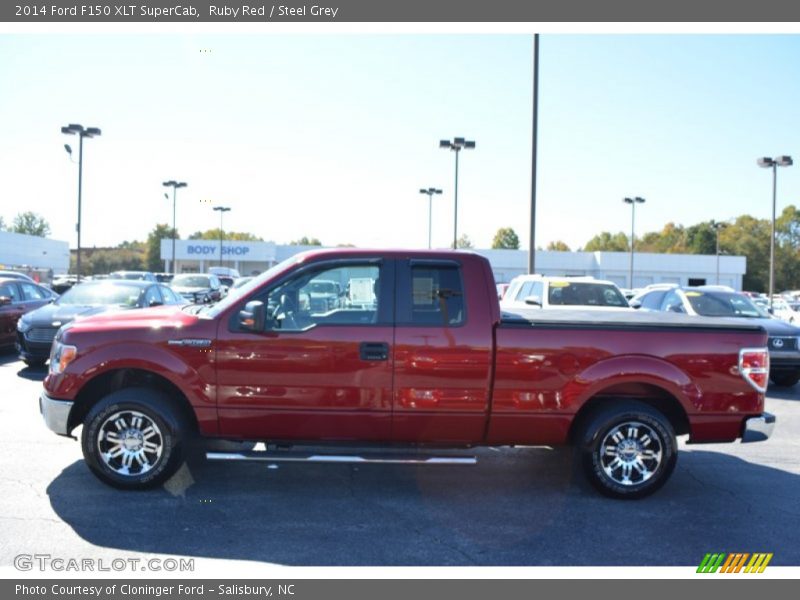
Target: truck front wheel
134	439
628	450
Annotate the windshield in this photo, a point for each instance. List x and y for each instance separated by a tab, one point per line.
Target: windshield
191	281
109	294
569	293
723	304
235	293
322	287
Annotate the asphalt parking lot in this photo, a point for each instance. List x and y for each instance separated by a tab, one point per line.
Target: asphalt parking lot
516	507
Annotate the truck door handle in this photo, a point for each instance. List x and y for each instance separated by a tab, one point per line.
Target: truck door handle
373	351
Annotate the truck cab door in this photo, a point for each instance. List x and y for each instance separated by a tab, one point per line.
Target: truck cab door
321	366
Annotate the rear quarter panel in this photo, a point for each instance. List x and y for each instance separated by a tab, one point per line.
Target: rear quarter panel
544	375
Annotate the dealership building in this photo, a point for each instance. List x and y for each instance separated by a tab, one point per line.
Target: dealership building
38	257
685	269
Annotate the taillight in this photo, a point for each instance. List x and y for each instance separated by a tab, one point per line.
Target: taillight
754	367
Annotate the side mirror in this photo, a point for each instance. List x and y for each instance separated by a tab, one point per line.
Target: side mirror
156	303
771	310
253	316
5	300
533	301
635	303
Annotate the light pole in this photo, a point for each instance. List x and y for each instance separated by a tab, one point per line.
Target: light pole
633	202
774	163
456	146
716	226
81	132
430	192
174	185
222	210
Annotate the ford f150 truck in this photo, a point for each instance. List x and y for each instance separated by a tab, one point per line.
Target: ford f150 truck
431	364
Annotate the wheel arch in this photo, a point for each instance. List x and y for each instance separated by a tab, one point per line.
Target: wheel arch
652	395
121	378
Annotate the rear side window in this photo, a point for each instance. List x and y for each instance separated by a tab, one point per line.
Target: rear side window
9	290
437	296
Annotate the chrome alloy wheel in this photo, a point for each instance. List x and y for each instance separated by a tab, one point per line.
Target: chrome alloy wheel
630	453
130	443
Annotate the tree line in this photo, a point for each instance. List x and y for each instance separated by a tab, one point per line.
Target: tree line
743	236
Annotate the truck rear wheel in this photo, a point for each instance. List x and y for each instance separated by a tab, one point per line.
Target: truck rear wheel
628	450
134	439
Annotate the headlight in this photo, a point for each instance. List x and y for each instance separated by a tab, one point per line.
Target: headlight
23	325
60	356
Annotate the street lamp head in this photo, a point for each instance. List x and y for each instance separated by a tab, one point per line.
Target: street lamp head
222	208
68	148
181	184
469	145
628	200
169	183
91	132
437	191
423	191
639	200
444	143
166	195
765	162
784	161
67	131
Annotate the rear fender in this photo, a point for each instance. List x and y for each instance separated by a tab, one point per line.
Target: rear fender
625	373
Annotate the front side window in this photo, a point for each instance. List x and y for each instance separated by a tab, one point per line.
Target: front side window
437	296
652	300
341	295
673	303
152	297
33	292
524	291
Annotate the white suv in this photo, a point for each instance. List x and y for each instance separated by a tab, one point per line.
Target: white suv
538	291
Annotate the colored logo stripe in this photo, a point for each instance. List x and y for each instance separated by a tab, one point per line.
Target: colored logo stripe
734	562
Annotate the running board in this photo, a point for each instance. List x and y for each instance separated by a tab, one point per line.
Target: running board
309	457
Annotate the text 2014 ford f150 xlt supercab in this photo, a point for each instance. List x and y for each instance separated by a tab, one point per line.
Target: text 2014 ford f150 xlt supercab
425	360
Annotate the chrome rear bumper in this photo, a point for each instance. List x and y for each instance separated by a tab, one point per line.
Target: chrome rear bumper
758	429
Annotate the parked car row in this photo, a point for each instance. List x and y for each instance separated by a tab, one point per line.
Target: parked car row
31	314
540	292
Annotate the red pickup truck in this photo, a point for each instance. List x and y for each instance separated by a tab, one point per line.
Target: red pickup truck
410	359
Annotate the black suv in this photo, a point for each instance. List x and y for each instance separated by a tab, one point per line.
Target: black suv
718	301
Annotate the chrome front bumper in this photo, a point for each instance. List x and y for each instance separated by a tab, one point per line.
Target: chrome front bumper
758	429
55	413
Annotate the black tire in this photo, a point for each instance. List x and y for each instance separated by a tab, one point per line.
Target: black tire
650	449
785	378
160	424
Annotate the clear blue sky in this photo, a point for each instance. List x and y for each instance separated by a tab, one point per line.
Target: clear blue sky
332	136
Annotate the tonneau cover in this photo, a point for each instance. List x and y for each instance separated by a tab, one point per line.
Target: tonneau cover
621	319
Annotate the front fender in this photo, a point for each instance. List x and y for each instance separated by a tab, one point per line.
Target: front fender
192	378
